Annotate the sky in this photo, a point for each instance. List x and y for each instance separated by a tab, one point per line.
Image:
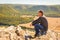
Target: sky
34	2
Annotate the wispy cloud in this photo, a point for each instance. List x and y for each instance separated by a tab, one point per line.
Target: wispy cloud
36	2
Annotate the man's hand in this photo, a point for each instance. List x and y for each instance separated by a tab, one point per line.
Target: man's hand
30	24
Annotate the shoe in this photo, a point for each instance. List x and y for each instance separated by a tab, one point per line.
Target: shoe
43	33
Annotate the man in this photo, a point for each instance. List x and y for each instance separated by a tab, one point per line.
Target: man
40	24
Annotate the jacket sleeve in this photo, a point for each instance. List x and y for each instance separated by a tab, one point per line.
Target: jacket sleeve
36	21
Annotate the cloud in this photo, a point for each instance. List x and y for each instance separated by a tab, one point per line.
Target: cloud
36	2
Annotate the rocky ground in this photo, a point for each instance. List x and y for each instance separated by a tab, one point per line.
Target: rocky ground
11	34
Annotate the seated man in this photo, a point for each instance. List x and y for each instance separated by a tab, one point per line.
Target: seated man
40	24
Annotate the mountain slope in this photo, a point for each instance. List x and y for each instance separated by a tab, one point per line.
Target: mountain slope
7	10
10	9
52	10
10	13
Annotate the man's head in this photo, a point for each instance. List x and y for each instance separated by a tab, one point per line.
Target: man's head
40	13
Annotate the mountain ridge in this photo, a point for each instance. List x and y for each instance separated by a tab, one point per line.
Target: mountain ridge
49	10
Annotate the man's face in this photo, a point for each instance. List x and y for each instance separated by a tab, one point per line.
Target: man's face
39	14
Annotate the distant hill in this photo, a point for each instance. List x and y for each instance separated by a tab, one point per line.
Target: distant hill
52	10
8	10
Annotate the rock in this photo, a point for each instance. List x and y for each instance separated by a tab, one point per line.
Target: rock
10	34
58	36
53	35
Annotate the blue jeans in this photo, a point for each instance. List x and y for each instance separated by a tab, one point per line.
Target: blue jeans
38	27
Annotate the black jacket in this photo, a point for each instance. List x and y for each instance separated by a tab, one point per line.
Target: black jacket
42	21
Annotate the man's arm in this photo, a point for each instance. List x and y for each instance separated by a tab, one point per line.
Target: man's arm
36	21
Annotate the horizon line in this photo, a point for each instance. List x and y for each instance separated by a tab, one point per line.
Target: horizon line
28	4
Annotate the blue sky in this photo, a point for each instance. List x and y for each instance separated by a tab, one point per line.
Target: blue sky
36	2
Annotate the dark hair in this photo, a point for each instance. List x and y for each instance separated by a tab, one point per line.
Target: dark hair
40	11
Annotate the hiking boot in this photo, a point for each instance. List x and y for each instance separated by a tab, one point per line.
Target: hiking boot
43	33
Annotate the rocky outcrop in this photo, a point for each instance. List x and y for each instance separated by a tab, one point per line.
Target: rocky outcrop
11	34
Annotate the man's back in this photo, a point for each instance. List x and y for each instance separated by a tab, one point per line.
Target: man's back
44	22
